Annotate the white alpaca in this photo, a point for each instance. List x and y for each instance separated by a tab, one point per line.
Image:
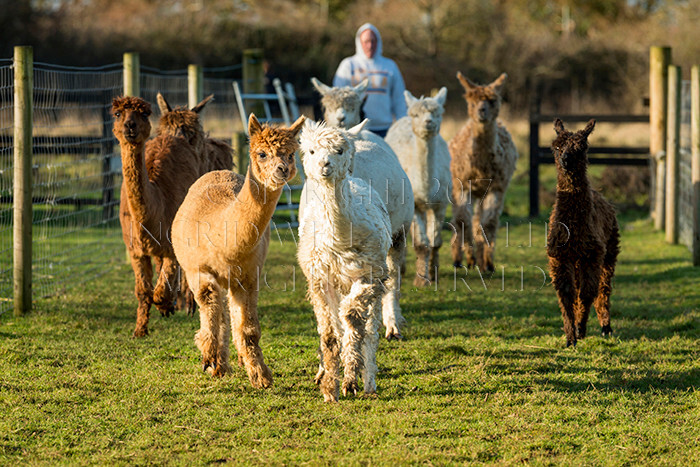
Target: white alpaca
376	164
344	238
424	156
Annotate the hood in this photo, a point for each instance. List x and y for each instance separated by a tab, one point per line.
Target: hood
358	46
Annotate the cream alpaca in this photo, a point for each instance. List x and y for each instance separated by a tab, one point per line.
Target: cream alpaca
424	156
376	164
344	238
483	162
221	237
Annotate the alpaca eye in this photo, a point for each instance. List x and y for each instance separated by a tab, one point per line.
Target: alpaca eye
311	151
262	155
117	114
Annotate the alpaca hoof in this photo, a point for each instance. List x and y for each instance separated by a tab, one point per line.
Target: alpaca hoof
420	281
260	377
606	331
140	332
393	334
209	367
166	311
570	343
350	387
330	398
457	264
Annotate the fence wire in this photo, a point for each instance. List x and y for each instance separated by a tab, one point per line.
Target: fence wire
685	181
76	165
75	179
6	183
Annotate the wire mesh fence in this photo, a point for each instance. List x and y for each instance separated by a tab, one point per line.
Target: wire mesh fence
76	165
6	172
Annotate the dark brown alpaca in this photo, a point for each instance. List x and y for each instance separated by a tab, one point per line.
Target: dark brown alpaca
185	123
157	174
583	240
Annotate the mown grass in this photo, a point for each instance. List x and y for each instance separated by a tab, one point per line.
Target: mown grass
482	376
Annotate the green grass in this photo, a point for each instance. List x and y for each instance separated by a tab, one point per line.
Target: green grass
482	376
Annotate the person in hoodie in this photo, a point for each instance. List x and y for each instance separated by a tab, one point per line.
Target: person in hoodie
385	100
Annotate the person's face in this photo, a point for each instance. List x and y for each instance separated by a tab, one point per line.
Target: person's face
369	43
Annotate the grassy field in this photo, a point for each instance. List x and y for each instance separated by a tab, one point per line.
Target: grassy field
482	376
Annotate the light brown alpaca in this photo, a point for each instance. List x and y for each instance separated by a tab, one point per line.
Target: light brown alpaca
483	162
157	174
214	154
221	237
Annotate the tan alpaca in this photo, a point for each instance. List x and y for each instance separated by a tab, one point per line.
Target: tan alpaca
221	237
483	162
157	174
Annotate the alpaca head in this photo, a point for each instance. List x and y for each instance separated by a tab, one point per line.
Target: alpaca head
570	149
484	102
272	160
426	113
183	123
342	107
131	123
328	151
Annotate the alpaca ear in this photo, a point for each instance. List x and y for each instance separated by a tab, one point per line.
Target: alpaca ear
559	126
254	125
198	108
320	87
497	85
358	128
297	126
362	87
466	84
410	100
589	128
441	96
163	104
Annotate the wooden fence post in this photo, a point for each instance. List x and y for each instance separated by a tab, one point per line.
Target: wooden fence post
132	74
695	165
253	77
659	60
195	85
672	152
22	226
240	149
534	157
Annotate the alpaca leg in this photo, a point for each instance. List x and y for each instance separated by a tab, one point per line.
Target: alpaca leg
369	348
463	237
435	217
590	280
246	330
563	281
490	212
209	298
602	302
391	310
327	377
421	245
165	293
143	273
354	311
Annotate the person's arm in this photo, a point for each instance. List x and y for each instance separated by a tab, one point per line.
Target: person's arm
398	101
343	75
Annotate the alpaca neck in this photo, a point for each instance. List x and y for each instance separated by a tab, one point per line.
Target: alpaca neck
573	195
258	202
425	150
139	189
335	197
483	136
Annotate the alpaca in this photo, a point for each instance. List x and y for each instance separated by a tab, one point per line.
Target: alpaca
157	174
583	239
424	156
483	162
221	237
214	154
344	239
376	163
